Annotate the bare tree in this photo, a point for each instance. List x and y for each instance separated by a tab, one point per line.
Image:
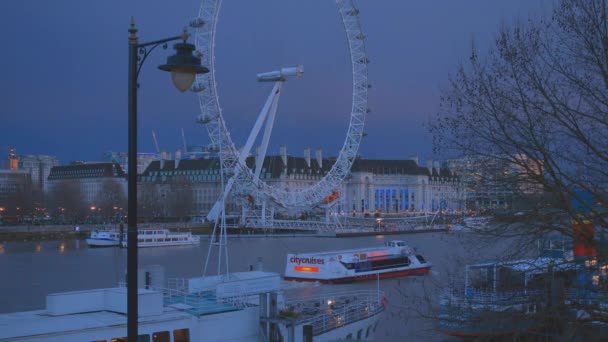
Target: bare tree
538	103
533	117
150	204
111	199
67	195
180	198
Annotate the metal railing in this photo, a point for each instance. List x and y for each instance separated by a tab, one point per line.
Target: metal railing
457	297
588	298
199	303
334	310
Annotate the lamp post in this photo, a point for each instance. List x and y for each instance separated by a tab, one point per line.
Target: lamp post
183	67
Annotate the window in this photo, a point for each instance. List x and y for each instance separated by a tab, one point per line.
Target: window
359	333
181	335
349	336
161	336
420	259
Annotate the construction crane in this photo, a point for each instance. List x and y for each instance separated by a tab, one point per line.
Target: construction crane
184	142
155	143
12	156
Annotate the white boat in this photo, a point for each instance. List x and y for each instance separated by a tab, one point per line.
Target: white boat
246	306
104	238
395	259
476	222
152	237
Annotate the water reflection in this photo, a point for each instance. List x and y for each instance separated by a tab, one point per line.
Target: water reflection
1	248
39	248
77	244
62	247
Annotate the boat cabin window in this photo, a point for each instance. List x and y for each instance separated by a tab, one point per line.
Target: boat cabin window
161	336
181	335
395	244
140	338
420	259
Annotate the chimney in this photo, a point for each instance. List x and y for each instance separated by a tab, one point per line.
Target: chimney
284	155
307	156
429	165
178	157
163	157
319	155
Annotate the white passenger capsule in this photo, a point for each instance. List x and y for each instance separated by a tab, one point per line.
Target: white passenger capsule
197	22
198	87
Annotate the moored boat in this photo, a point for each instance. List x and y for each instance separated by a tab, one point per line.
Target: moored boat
508	297
395	259
244	306
153	237
104	238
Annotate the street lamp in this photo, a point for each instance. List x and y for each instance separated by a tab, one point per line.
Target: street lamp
183	67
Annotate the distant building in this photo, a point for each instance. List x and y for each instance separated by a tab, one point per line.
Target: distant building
121	158
94	184
15	189
39	167
392	186
495	182
374	185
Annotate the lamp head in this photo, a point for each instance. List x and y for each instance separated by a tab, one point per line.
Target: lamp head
183	66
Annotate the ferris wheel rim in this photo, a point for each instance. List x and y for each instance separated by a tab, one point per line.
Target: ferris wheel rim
212	116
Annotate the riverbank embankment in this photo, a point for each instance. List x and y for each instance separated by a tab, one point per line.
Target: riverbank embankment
79	232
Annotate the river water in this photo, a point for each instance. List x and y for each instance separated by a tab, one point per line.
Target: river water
31	270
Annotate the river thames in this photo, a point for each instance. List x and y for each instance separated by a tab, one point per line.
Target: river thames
31	270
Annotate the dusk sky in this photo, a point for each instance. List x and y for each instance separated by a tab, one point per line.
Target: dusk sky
64	83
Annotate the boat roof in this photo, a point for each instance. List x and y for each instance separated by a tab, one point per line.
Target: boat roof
348	251
80	310
40	323
534	266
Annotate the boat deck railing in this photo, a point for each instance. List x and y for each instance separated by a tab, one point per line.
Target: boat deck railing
457	302
588	298
199	303
334	310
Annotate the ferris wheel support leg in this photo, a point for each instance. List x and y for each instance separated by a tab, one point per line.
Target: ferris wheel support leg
215	211
217	208
258	124
268	129
264	212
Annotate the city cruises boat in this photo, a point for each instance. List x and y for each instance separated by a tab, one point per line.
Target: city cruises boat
244	306
153	237
395	259
104	238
